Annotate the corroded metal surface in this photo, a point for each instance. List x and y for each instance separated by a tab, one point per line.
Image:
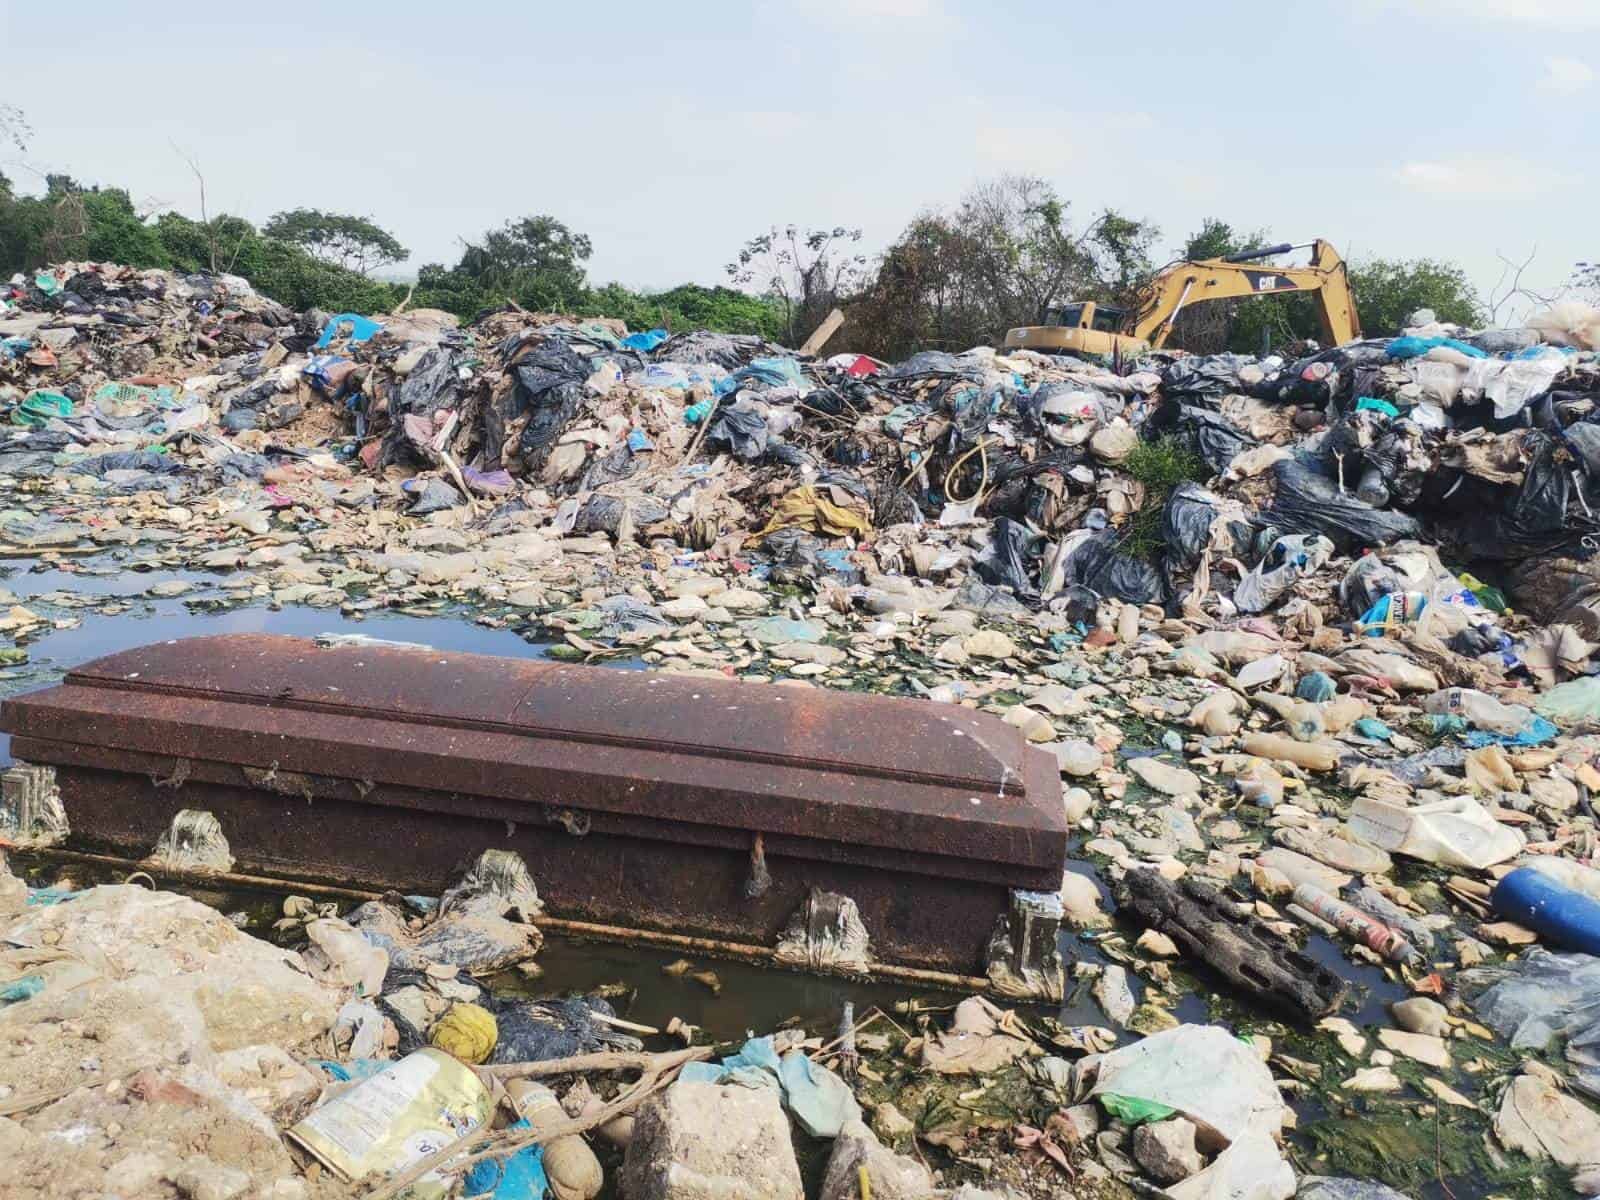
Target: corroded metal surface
635	797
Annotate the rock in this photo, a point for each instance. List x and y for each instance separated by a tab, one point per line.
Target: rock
1163	777
1085	1120
709	1141
892	1176
810	652
684	608
1080	902
952	651
1373	1079
248	991
1539	1119
1077	802
1059	701
1077	758
1035	726
1447	1094
1157	944
890	1123
1166	1150
1421	1047
1327	1187
270	1079
1340	853
989	643
957	623
1421	1015
1114	995
741	600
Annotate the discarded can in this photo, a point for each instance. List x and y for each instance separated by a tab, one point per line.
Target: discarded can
404	1113
1369	931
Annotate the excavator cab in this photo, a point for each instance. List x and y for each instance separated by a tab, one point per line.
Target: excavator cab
1081	327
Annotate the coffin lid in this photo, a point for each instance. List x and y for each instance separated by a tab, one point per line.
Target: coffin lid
874	770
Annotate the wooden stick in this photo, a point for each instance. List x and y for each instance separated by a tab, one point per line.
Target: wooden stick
629	1026
602	1060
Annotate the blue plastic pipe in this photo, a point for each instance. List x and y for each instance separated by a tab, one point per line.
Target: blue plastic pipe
1556	913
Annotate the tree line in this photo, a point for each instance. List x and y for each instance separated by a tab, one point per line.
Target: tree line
955	277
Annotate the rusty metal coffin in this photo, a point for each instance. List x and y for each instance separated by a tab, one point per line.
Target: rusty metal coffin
634	797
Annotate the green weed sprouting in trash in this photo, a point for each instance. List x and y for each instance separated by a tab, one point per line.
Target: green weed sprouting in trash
1160	466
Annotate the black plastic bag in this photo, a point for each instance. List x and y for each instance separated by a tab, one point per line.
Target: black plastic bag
1308	501
552	412
128	460
1186	523
1101	567
1004	562
544	369
1208	436
744	431
431	385
1583	439
1196	378
539	1030
609	468
1535	519
435	495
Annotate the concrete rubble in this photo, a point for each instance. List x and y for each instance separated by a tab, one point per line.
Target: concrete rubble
1312	640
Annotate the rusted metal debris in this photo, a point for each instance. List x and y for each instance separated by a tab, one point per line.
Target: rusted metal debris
1236	944
637	796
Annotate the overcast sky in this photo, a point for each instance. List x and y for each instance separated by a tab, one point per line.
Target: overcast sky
1460	129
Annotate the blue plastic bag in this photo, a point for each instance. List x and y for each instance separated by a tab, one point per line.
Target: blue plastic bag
361	329
646	341
1416	347
520	1177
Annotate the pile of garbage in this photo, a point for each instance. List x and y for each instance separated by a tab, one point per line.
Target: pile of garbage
1312	639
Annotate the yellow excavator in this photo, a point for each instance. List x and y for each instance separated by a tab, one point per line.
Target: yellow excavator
1084	327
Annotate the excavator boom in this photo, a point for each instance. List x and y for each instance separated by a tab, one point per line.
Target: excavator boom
1083	329
1241	275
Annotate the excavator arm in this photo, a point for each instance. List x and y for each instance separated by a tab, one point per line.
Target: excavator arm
1236	276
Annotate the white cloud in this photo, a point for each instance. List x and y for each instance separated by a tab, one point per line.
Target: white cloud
1568	15
1565	75
1474	176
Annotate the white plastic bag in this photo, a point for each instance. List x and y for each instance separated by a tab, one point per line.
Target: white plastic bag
1202	1072
1455	832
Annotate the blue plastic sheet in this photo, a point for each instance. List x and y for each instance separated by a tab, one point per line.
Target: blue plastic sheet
46	896
646	341
520	1177
766	372
18	990
1416	347
361	329
814	1095
1536	732
1371	727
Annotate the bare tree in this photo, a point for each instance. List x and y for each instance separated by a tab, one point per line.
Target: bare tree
1509	286
212	228
807	271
